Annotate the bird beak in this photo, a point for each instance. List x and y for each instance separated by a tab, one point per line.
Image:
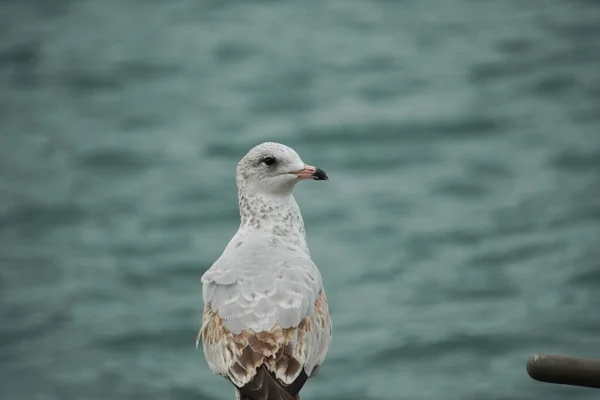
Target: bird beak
310	172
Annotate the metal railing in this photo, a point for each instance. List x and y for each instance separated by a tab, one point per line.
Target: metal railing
564	370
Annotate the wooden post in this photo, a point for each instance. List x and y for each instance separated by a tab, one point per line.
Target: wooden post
565	370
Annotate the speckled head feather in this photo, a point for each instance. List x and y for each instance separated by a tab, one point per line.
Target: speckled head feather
266	177
269	168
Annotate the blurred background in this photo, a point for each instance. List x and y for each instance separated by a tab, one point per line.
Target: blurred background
458	235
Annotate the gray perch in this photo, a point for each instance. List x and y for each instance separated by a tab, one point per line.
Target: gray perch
565	370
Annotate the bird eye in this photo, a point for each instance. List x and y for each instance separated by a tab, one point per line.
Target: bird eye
269	160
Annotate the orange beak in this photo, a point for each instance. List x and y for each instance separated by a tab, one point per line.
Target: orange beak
310	172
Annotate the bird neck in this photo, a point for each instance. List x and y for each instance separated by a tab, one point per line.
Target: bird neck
277	215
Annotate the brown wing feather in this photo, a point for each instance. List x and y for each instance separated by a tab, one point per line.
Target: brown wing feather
264	386
284	354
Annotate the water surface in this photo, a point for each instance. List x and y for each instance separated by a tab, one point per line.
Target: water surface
458	235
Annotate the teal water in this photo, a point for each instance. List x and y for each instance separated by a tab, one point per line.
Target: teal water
458	235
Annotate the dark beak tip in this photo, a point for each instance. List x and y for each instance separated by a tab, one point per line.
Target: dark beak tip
320	175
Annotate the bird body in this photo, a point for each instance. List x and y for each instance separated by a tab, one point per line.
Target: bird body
266	324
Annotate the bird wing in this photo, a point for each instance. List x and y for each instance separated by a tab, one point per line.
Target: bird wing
274	316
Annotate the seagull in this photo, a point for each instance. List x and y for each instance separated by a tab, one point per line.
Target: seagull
266	325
